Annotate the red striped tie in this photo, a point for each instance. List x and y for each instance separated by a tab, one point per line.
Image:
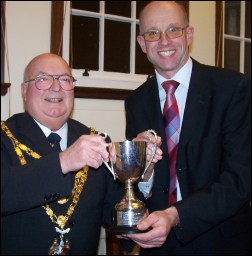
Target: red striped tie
172	130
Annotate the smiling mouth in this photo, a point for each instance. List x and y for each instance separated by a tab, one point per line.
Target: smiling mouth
54	100
166	53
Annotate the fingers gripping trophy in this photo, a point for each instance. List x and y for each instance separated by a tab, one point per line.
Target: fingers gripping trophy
127	167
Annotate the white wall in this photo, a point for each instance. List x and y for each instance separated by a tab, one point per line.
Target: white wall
202	18
104	115
28	34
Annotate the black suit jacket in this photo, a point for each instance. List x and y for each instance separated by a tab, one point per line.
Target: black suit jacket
25	227
213	162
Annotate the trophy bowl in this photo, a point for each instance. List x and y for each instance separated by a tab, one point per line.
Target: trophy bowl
127	167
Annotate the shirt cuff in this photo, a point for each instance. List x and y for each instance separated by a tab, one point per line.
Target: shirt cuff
145	187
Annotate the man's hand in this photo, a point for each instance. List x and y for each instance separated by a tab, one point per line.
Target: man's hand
88	150
151	140
161	223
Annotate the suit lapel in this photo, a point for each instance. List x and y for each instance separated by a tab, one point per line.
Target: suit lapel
153	109
197	104
196	112
74	132
36	139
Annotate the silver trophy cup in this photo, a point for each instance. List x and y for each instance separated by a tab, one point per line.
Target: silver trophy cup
127	167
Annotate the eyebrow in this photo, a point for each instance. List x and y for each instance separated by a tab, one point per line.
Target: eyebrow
63	74
169	26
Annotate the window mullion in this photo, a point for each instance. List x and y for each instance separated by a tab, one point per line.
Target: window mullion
66	31
102	36
242	35
223	29
133	38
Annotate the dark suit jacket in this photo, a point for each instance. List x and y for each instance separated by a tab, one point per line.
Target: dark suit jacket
213	163
25	227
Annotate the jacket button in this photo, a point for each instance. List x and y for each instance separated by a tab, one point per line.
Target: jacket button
180	169
55	196
48	197
165	190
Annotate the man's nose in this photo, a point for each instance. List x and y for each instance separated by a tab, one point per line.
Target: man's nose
56	84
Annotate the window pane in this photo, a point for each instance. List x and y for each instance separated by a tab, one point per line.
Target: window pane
142	66
117	46
247	19
120	8
232	54
247	60
232	17
85	43
92	6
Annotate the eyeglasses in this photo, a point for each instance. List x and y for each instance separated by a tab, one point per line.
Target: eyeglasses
155	35
44	81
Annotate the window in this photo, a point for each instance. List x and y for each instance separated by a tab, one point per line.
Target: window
104	37
235	49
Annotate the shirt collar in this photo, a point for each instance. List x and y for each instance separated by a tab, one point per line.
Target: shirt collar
183	76
62	132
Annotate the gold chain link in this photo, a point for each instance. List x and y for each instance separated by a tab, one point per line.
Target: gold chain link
19	147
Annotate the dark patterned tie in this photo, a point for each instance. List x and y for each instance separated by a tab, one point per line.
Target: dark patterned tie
54	140
172	130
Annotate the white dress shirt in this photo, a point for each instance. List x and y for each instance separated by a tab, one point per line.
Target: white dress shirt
183	76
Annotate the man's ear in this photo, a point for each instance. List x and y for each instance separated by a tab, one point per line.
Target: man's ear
189	35
141	42
24	87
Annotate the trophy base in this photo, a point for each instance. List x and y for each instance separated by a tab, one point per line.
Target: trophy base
126	230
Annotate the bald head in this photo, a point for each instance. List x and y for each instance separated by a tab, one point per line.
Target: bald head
43	57
163	6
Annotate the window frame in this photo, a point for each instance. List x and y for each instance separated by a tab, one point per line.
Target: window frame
92	86
220	36
4	85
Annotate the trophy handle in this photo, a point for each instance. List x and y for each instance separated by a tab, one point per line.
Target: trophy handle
153	150
111	169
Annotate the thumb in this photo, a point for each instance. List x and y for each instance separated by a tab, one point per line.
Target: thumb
144	224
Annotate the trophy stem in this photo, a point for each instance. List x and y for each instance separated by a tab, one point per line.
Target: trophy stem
129	195
129	211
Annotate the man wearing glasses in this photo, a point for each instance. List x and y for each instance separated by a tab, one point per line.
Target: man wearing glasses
55	192
200	203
